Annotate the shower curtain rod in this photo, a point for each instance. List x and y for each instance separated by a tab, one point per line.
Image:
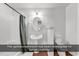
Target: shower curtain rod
13	8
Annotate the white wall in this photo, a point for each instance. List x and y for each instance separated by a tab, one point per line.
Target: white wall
54	17
9	26
78	23
71	23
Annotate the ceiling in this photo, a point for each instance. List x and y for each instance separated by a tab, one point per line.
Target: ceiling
37	5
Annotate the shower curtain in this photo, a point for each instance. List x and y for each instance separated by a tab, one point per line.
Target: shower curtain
22	28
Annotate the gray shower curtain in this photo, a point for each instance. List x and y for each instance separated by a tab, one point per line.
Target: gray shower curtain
23	33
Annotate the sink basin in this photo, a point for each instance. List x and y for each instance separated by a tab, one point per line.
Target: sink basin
36	37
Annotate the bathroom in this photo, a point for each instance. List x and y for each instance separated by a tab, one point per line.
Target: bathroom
57	18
